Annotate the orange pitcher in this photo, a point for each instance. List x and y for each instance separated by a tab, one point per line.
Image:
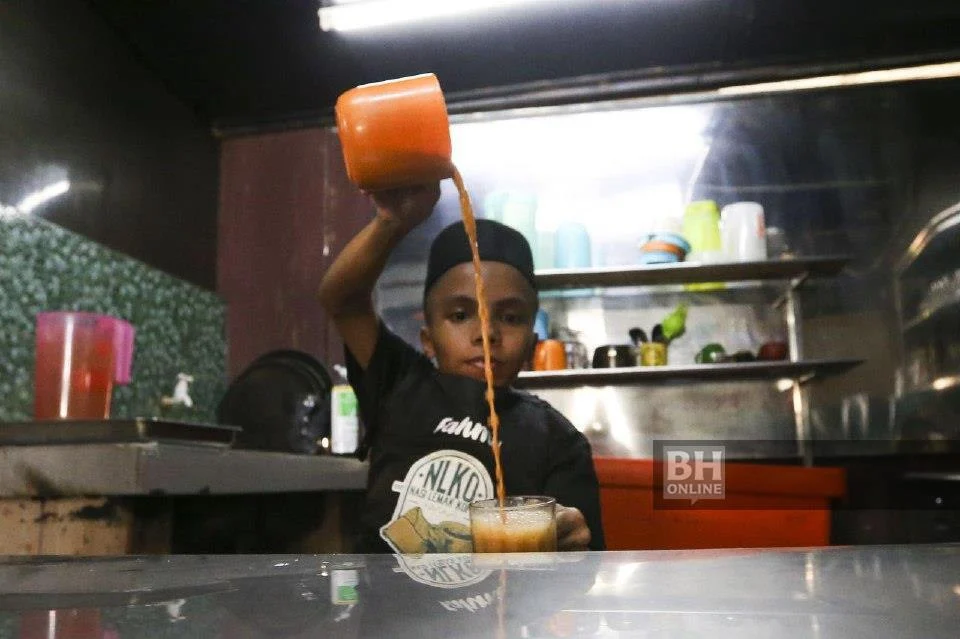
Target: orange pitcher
395	133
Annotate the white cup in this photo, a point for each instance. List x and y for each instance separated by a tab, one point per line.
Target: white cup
743	232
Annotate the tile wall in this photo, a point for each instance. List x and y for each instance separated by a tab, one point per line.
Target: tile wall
180	327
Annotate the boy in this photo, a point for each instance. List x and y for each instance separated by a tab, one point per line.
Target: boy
430	448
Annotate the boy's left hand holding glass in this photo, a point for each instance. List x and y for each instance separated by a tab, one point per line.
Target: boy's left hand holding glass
573	534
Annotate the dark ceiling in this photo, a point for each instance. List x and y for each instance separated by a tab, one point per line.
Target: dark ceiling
240	62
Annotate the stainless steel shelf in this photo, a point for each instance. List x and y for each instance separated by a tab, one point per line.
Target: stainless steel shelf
114	431
699	372
690	272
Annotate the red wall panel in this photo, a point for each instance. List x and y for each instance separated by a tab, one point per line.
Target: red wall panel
286	209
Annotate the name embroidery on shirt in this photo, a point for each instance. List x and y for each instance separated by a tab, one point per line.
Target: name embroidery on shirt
466	428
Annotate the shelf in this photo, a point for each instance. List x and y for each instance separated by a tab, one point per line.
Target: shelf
943	311
690	273
114	431
699	372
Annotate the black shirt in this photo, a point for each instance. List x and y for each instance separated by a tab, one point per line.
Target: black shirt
431	455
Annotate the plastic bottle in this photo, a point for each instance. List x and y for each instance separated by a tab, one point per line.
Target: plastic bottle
344	418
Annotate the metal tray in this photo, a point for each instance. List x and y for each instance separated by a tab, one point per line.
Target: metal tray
114	431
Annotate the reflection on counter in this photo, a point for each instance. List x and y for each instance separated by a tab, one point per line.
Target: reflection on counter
883	591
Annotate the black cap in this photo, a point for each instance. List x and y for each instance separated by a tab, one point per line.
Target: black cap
496	242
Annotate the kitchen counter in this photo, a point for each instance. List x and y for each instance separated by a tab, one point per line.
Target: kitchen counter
154	468
871	591
155	497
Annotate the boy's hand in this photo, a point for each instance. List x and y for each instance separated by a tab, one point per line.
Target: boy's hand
407	206
572	530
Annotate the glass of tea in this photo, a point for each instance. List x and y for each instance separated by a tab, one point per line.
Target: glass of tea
523	524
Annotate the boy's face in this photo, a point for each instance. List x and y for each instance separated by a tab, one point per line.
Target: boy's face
452	334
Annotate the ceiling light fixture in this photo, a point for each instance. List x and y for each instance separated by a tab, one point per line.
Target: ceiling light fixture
880	76
353	15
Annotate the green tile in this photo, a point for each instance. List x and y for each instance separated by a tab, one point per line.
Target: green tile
180	328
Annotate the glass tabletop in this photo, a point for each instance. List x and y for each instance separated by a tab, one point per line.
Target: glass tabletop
871	591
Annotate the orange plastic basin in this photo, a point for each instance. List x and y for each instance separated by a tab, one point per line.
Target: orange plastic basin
765	506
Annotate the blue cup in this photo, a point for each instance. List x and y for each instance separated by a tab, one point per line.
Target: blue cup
573	252
541	325
573	246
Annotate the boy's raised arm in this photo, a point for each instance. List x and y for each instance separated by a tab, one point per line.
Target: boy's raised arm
346	290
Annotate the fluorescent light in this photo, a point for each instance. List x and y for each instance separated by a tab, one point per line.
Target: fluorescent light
44	195
880	76
610	143
365	14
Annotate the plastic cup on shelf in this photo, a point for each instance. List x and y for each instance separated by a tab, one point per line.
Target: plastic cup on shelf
573	251
701	228
743	232
652	354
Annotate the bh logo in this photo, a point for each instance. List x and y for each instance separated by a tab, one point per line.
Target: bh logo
693	472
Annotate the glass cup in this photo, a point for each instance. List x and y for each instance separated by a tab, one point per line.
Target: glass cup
524	524
395	133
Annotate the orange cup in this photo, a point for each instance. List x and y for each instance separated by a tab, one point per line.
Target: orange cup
550	355
395	133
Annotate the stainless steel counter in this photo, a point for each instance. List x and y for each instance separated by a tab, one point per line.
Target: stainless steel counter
167	468
881	591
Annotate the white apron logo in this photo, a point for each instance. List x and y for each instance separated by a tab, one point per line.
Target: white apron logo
433	509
